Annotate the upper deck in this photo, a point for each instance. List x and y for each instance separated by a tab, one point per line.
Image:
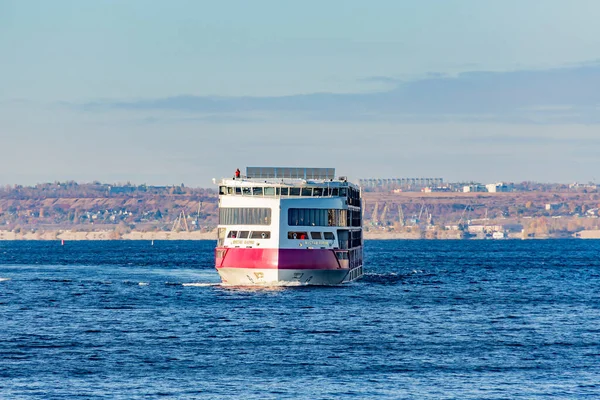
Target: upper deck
288	212
290	182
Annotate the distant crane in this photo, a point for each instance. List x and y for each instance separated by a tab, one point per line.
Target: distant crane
374	219
180	223
382	217
401	218
198	214
464	217
423	208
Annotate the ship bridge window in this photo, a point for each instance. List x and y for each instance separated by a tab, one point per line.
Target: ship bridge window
285	191
222	189
295	191
328	236
244	216
316	236
257	191
318	192
335	192
230	190
298	235
246	191
306	191
260	235
238	191
232	234
243	234
269	191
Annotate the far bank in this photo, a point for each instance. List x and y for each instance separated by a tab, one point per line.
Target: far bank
72	235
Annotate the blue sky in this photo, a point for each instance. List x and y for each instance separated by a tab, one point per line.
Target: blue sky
182	91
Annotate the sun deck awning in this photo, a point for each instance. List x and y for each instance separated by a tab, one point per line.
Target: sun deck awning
290	172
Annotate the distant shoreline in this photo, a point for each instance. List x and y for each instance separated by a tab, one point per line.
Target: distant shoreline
68	235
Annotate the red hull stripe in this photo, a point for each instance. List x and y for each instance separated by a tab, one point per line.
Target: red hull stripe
277	258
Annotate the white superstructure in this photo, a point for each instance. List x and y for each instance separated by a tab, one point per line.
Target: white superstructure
289	226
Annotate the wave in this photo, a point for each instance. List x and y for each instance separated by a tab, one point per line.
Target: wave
384	279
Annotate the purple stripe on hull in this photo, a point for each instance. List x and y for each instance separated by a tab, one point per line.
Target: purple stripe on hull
300	259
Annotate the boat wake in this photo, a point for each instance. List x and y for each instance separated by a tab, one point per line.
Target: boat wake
4	279
200	284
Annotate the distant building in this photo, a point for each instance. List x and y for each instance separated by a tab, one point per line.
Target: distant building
407	184
553	206
499	187
476	187
436	189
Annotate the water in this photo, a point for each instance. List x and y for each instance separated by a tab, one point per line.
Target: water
430	320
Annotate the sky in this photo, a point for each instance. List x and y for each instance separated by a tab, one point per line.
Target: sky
170	92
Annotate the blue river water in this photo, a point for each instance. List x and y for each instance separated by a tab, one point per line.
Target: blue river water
429	320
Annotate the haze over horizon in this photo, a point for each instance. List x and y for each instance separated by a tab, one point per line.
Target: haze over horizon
184	91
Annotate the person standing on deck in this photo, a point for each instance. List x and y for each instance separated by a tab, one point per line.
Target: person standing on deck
237	173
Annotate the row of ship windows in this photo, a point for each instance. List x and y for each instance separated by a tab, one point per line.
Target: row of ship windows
285	191
296	217
313	235
249	235
291	235
322	217
244	216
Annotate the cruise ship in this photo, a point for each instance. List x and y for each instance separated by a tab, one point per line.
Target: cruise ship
289	226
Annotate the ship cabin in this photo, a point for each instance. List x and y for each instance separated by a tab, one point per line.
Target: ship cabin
304	208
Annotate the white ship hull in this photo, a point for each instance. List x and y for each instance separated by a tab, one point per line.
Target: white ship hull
287	277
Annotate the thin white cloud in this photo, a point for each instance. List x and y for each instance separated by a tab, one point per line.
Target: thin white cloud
560	95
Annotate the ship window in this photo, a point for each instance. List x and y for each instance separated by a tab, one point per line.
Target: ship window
331	218
334	192
220	237
243	234
229	190
238	190
257	191
285	191
295	191
316	235
298	235
222	189
343	192
317	217
318	192
260	235
244	216
246	191
328	236
232	234
306	191
269	191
